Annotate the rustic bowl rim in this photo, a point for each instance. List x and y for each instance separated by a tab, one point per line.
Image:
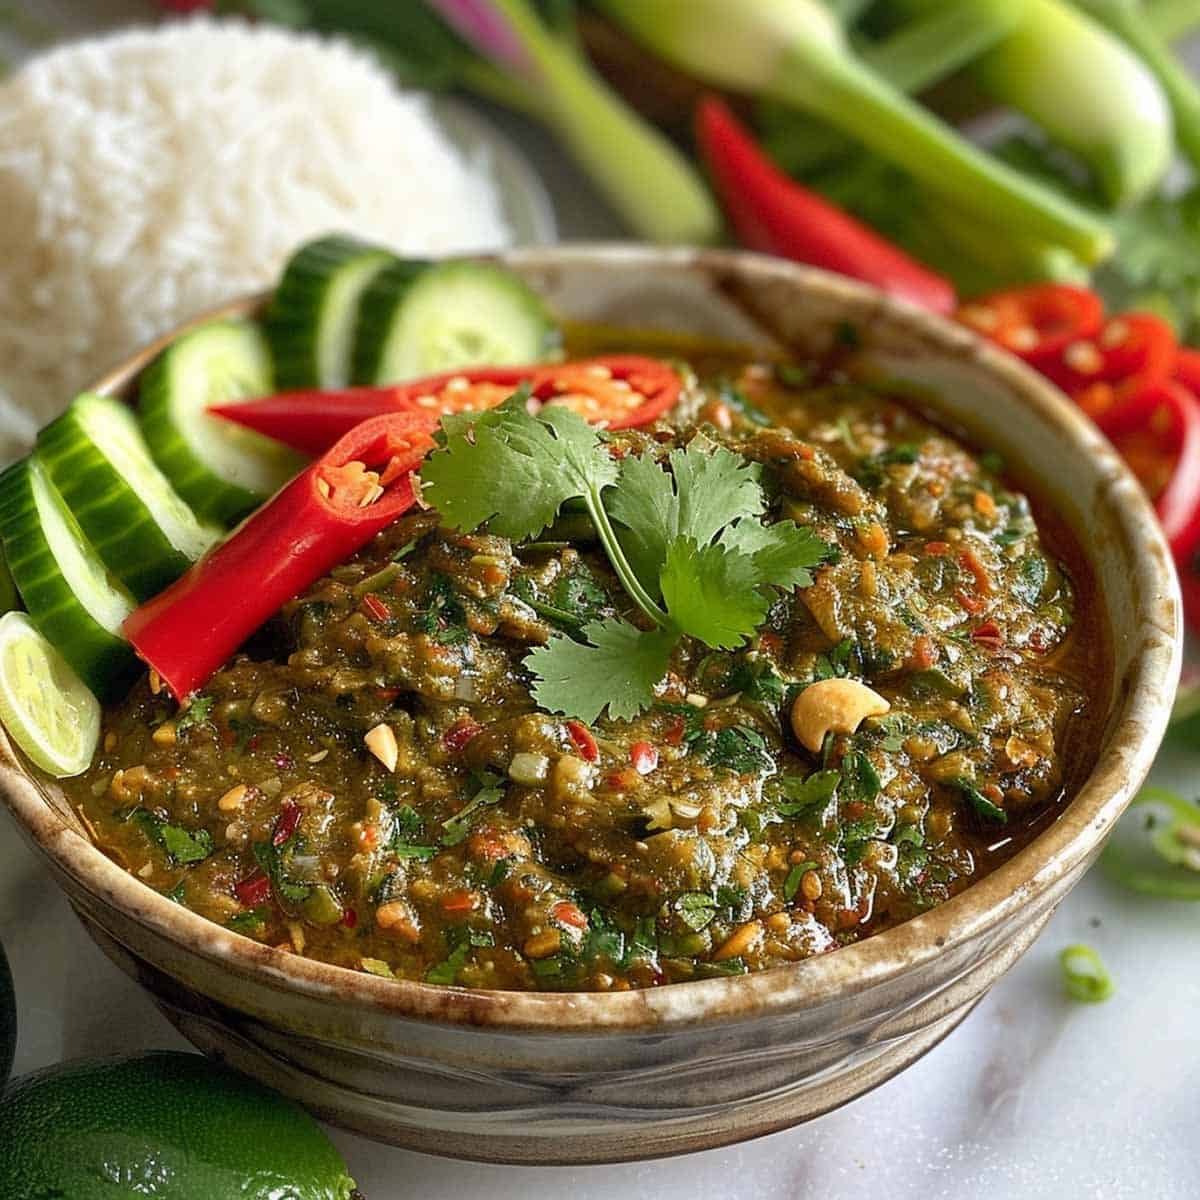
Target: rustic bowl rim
1141	710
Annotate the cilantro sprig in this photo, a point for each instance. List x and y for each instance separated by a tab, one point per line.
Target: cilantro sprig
684	536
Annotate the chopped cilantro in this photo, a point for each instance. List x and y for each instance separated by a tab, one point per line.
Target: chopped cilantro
859	779
844	659
276	862
243	729
490	791
985	808
604	939
178	893
251	921
444	618
736	748
197	713
791	885
696	909
182	846
376	966
804	795
1030	582
736	399
731	966
407	827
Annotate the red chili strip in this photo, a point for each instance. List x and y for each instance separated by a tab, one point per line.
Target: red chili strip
254	890
326	514
771	212
375	608
1036	323
287	822
459	734
566	913
583	741
619	391
644	757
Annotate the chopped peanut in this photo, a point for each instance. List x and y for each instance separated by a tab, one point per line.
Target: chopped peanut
381	741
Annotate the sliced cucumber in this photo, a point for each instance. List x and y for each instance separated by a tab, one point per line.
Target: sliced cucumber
136	522
46	708
70	596
311	322
417	319
219	468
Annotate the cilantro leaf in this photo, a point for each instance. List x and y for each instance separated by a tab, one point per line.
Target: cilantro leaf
197	713
182	846
703	492
804	795
618	666
712	593
696	909
737	748
513	469
784	553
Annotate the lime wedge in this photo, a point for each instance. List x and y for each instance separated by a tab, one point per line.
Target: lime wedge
45	707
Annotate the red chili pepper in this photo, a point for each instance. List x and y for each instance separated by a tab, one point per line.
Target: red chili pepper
326	514
375	608
771	212
1130	355
644	757
989	635
254	890
583	741
620	391
969	561
350	918
1187	369
566	913
1036	323
1162	448
673	735
460	733
459	902
287	822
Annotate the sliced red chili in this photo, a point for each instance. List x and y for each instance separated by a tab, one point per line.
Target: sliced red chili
566	913
988	635
326	514
1130	355
1036	323
644	757
460	733
583	741
1162	448
459	902
349	918
375	608
1187	369
254	890
287	822
617	391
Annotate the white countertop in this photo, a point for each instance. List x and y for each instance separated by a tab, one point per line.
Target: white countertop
1033	1096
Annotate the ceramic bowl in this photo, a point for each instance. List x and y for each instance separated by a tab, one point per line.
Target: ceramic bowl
549	1078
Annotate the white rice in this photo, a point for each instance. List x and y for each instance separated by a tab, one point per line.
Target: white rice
151	174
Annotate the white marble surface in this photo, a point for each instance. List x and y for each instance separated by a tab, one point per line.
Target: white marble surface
1031	1097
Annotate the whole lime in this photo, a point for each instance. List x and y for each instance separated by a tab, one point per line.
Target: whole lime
162	1125
8	1019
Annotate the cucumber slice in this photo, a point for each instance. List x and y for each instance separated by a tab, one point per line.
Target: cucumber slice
418	319
134	519
219	468
311	322
45	706
70	596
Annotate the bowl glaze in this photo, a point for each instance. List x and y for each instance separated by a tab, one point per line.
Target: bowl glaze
549	1078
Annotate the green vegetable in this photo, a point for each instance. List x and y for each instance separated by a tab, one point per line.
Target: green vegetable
137	523
794	51
1156	846
805	795
691	553
197	713
182	846
981	804
525	55
70	596
1128	19
1089	92
171	1126
696	909
489	792
1084	975
1171	19
46	708
417	318
221	470
735	748
313	316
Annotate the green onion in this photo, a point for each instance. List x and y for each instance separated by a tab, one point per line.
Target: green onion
1155	849
1086	89
1084	975
794	51
1127	19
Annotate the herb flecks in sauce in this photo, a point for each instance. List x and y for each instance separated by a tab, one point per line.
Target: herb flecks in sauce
685	834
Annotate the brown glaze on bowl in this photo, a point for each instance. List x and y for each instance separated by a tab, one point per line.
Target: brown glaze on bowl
571	1078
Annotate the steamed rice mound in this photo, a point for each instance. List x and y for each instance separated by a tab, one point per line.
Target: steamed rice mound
147	176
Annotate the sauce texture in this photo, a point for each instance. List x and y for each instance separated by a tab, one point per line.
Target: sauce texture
512	848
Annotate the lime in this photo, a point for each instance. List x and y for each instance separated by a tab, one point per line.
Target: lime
165	1126
8	1019
46	708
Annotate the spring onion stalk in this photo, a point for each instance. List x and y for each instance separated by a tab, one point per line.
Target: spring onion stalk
1127	19
1089	92
796	52
1172	19
645	178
